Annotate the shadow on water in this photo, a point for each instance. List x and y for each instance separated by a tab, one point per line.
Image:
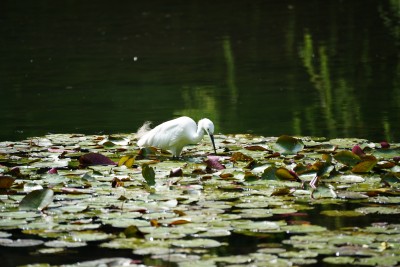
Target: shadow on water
270	68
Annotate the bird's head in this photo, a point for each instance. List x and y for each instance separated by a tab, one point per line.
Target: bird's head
208	127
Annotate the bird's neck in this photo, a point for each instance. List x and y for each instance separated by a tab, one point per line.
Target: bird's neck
199	134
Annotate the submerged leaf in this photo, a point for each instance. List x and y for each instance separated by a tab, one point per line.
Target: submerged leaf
37	200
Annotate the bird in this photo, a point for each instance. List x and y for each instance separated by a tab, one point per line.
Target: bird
174	135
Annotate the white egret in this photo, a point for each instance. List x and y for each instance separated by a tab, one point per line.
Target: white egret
173	135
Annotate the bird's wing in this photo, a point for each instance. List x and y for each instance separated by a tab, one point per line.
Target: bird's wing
163	136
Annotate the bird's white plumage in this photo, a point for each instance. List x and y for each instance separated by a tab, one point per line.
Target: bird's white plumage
173	135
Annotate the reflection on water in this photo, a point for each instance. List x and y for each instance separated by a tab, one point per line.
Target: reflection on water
324	68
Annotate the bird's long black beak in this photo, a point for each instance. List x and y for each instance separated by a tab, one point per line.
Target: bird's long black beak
213	143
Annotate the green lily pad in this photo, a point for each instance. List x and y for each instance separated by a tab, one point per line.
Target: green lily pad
387	260
288	145
22	243
64	244
366	165
148	174
257	226
306	228
37	200
341	213
347	157
84	236
156	250
339	260
197	243
379	210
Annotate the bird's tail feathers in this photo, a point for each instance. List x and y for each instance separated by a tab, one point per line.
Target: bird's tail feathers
143	129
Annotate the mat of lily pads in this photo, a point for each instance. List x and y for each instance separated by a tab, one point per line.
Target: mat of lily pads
261	201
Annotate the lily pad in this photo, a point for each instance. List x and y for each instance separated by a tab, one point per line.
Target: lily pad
289	145
37	200
341	213
149	174
196	243
95	159
347	157
366	165
22	243
379	210
339	260
6	181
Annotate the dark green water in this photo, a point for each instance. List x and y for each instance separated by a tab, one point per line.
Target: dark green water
323	68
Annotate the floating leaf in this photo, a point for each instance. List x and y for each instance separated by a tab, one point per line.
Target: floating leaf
37	200
256	148
322	168
64	244
128	161
180	221
95	159
149	174
289	145
239	156
22	243
145	152
177	172
323	192
270	174
347	157
339	260
133	231
303	228
391	178
341	213
213	163
379	210
366	165
358	151
6	182
349	179
197	243
285	174
281	191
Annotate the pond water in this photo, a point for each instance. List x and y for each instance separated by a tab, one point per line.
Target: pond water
319	68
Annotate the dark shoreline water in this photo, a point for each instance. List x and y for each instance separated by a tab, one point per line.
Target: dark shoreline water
292	67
